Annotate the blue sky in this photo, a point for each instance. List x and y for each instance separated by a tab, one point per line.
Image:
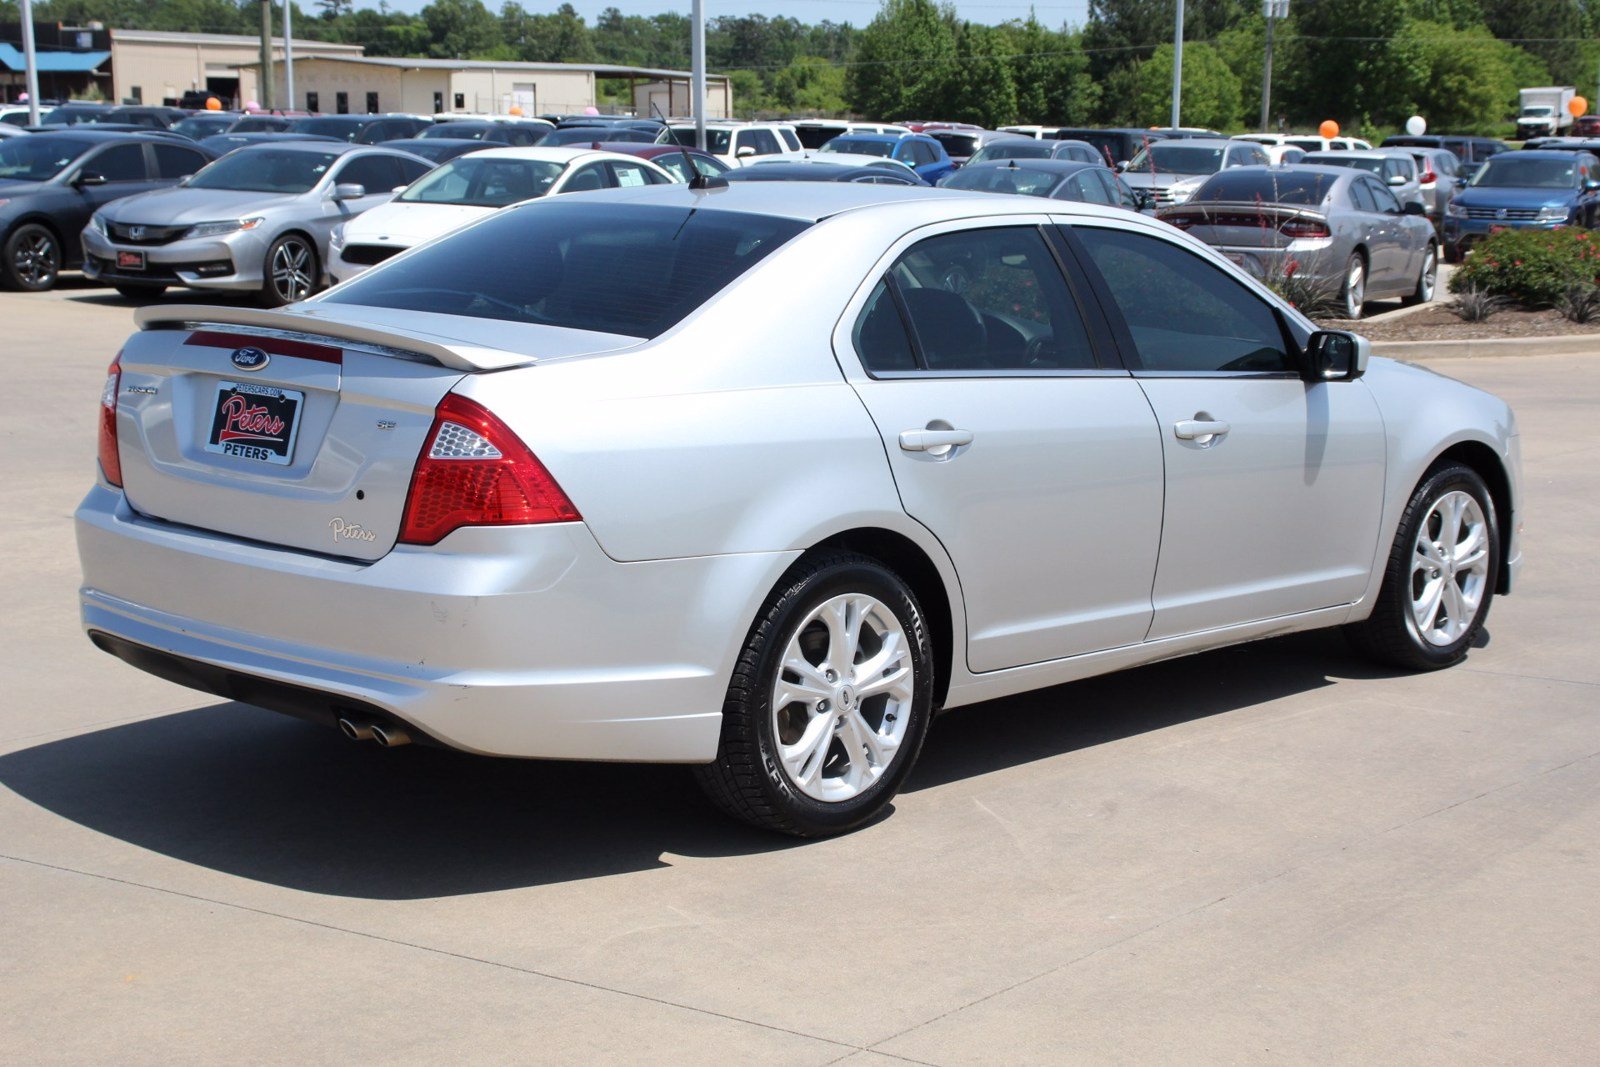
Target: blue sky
859	12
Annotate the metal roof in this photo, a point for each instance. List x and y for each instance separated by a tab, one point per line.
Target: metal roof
419	63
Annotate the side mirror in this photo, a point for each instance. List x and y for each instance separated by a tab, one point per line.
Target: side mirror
1411	207
745	152
89	177
1397	179
1123	165
349	191
1336	356
1591	185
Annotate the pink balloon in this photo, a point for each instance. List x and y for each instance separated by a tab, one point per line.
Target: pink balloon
23	99
591	110
252	106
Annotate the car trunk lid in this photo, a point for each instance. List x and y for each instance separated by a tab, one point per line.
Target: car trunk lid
1248	225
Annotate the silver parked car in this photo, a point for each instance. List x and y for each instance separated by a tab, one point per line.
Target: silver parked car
1168	172
255	221
1439	177
1393	167
1031	148
561	485
1338	230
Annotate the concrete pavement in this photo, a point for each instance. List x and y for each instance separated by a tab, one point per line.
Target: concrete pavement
1270	853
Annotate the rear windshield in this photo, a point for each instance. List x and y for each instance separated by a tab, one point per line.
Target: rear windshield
1232	186
1003	180
1306	144
634	270
815	136
1175	157
857	147
1368	164
716	140
1012	150
344	129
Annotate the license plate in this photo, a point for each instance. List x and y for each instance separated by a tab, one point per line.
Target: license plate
130	261
255	422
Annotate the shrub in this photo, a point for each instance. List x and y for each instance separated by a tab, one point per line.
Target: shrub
1476	305
1534	268
1580	303
1295	284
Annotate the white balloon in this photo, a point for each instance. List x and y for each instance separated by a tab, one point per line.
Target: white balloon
1416	125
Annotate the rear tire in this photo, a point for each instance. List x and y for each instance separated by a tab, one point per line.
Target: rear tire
1427	280
139	292
1440	576
829	702
32	259
1353	290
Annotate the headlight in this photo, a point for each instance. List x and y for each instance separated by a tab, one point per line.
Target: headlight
217	229
1455	210
97	222
336	238
1553	213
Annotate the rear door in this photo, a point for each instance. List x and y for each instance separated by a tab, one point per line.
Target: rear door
1037	466
1274	485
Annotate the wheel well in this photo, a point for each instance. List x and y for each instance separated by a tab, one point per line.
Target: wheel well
901	555
1481	458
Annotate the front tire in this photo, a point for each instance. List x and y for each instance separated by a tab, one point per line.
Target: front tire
829	703
32	259
1353	292
1427	280
1440	576
290	271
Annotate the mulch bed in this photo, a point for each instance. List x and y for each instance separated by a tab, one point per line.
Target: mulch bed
1438	324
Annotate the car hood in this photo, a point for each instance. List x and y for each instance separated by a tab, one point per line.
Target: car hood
173	207
407	224
1513	196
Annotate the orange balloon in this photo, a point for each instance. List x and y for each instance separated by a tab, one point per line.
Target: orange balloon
213	104
1329	128
1577	105
516	111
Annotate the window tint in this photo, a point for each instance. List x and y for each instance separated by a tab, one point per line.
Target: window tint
634	270
1361	195
1384	198
174	161
1085	186
1120	194
1185	314
378	174
922	154
591	177
119	163
790	140
761	140
411	170
880	337
991	299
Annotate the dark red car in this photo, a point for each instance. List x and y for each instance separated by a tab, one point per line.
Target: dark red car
1586	126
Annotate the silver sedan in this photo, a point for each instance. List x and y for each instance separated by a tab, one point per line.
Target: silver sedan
562	484
255	221
1334	234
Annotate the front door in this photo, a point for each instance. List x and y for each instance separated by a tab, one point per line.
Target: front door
1274	485
1038	468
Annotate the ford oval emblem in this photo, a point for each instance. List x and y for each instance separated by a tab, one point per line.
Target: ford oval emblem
250	359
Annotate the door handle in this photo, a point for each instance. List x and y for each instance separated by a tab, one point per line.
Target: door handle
1193	429
933	440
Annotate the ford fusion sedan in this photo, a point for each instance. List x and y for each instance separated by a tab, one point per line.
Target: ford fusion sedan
1540	189
562	485
471	186
1055	179
51	183
256	221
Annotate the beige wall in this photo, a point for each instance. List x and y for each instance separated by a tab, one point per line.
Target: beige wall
677	100
329	77
168	69
494	91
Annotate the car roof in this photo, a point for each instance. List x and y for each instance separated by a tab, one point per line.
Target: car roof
558	154
404	144
796	170
1564	156
1041	163
338	148
87	132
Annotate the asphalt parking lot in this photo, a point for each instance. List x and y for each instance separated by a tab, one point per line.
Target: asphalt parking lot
1270	853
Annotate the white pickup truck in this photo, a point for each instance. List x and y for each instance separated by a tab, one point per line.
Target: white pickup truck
1543	111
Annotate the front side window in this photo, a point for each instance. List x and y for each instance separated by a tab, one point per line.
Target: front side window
635	270
1185	315
119	163
175	161
978	300
1386	201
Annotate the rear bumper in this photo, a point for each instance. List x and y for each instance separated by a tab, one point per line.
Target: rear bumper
515	641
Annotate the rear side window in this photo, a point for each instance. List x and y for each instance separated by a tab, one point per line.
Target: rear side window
377	174
175	161
790	139
635	270
1185	314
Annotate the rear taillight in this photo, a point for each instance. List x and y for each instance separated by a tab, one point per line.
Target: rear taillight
1305	228
473	471
1429	177
110	460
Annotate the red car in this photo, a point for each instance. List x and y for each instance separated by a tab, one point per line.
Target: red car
669	157
1586	126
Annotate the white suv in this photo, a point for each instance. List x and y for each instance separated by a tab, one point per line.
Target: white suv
738	143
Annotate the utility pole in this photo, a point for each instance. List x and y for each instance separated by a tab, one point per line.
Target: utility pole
1275	10
697	61
31	62
288	54
1177	66
264	90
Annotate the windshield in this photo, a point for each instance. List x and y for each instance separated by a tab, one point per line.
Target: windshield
716	140
477	182
856	147
1003	180
266	170
1178	158
1539	110
37	158
1012	150
957	144
197	127
340	129
1371	166
1291	187
635	271
1307	144
1506	172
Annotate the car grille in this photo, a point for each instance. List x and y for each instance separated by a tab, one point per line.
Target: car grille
133	233
369	255
1510	214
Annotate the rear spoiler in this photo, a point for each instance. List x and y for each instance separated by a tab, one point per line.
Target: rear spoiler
1231	207
306	321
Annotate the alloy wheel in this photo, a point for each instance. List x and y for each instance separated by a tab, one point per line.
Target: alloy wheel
291	270
35	260
1430	276
842	699
1355	288
1449	568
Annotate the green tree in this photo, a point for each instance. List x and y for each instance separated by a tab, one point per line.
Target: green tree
811	85
1210	89
460	29
903	59
1337	62
1459	80
978	86
1051	75
1553	30
561	37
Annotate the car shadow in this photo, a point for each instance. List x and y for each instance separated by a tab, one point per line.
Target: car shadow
82	289
257	795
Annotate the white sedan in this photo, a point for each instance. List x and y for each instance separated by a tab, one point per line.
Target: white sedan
472	186
758	477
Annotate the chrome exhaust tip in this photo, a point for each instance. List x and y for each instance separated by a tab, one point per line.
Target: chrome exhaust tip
356	731
388	736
